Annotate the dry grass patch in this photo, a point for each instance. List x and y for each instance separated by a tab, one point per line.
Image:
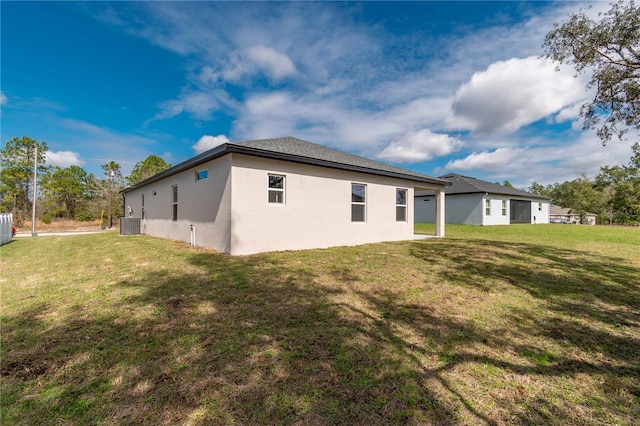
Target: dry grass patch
524	326
60	225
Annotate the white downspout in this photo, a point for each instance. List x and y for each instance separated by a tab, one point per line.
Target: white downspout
193	236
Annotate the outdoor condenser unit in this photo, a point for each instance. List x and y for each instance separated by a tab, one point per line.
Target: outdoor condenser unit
129	225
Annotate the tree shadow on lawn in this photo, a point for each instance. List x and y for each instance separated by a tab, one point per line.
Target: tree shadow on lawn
242	340
603	288
581	289
461	345
589	304
255	340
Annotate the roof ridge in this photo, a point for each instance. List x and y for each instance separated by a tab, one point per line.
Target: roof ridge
467	184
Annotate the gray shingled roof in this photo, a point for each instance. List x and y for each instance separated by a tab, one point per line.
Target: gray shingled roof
468	185
297	150
557	210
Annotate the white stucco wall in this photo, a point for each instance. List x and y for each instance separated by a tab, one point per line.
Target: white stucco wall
496	217
205	204
540	212
317	208
469	209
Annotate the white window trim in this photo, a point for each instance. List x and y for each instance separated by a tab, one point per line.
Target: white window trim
487	207
357	203
282	190
405	205
504	207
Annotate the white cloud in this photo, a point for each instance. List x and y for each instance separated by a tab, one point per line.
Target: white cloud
63	159
100	144
258	59
200	105
486	160
512	94
572	112
3	99
329	120
543	161
208	142
586	154
286	114
276	64
103	136
420	145
32	104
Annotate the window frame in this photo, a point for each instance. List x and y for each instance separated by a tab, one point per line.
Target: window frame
174	203
539	207
275	190
487	207
362	203
199	177
402	207
504	207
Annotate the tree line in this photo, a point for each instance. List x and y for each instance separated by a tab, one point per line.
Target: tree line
614	194
68	192
607	48
72	193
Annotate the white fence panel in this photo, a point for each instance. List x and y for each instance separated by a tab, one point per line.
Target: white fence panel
6	224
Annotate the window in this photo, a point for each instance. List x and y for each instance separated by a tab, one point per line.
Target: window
358	202
174	188
202	174
539	207
487	207
142	211
276	189
401	205
504	208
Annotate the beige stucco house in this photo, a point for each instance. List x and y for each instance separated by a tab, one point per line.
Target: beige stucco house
280	194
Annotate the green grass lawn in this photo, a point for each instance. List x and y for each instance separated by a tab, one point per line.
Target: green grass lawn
491	325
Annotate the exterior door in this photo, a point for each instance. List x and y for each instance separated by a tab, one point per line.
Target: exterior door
520	211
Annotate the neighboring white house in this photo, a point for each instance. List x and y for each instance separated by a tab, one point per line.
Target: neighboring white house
477	202
559	214
280	194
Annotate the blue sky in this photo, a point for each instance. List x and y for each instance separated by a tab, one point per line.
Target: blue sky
436	87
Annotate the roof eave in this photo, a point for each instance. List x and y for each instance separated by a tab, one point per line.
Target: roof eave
209	155
535	196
